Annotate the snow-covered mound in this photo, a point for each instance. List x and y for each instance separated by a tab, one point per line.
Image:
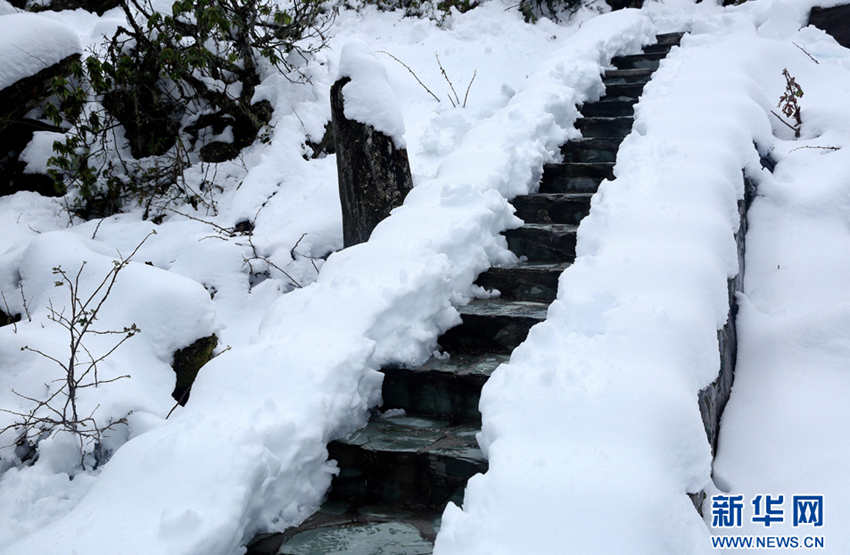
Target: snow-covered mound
30	43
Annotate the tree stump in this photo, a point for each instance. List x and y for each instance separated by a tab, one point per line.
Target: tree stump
374	175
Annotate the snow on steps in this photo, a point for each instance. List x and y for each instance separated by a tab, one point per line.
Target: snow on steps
409	463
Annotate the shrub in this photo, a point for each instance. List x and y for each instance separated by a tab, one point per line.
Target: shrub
176	87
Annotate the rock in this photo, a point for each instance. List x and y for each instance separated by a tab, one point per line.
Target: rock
187	362
374	175
6	319
835	21
16	130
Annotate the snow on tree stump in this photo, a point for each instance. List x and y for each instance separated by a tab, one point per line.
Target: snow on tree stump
371	158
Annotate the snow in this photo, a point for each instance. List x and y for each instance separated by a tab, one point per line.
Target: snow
30	43
368	98
592	429
39	150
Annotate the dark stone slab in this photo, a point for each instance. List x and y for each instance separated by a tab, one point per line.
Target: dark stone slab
625	90
635	61
594	149
835	21
627	75
342	528
669	38
609	108
543	242
492	326
604	127
657	49
524	282
408	462
559	208
575	177
442	388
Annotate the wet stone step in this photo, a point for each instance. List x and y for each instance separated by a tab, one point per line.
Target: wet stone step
600	170
669	38
492	326
595	149
446	388
543	242
405	461
657	48
604	127
637	61
524	282
611	107
559	208
339	528
625	90
627	75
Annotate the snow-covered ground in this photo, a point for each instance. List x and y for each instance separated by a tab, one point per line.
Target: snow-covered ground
592	429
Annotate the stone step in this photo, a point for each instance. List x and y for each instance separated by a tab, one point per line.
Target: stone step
405	462
342	528
492	326
669	38
657	48
524	282
638	61
445	388
574	177
558	208
543	242
604	127
627	75
598	149
609	107
625	90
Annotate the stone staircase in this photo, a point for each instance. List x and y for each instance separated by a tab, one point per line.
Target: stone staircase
398	473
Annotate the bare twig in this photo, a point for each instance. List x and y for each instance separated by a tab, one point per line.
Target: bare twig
59	410
806	52
791	127
469	86
456	100
815	147
413	73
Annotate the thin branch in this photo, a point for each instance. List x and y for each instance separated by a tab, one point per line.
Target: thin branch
449	81
791	127
413	73
466	95
815	147
806	52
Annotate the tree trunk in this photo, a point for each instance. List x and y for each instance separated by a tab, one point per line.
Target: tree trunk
374	175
